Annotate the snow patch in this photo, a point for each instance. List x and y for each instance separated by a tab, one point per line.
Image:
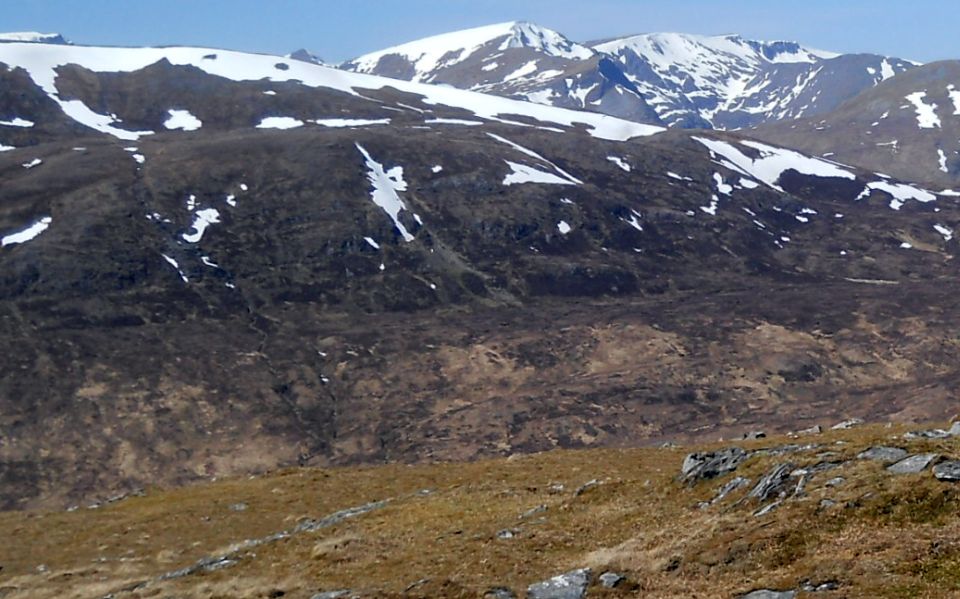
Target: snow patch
900	192
946	232
202	219
772	162
521	173
183	120
17	122
384	194
350	122
25	235
926	113
279	122
619	162
563	227
32	163
453	122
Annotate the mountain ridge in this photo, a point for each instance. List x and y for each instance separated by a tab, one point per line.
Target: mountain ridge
684	80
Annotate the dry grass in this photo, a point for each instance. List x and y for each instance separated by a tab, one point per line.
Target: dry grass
887	536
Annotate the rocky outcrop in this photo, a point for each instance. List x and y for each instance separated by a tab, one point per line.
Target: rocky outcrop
704	466
570	585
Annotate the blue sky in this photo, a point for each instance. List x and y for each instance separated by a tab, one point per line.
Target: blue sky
923	30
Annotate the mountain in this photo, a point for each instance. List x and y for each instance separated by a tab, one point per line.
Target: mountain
33	37
215	263
906	127
518	60
679	80
306	56
728	82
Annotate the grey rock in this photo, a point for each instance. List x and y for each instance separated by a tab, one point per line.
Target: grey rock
533	511
948	471
499	593
754	435
772	483
827	503
767	508
883	454
734	484
706	465
571	585
819	587
835	482
813	430
331	594
507	533
610	580
238	507
937	433
954	429
768	594
586	487
913	464
842	426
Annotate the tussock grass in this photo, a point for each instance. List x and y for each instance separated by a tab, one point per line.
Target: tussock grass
884	536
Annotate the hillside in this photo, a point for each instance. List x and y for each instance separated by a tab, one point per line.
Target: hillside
837	514
216	264
906	127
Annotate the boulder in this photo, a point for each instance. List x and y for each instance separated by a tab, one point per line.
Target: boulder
913	464
706	465
816	429
883	454
948	471
768	594
499	593
571	585
954	430
610	580
754	435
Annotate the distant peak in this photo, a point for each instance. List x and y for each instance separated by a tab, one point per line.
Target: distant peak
33	37
305	55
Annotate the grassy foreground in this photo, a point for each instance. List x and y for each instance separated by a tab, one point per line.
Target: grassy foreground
885	536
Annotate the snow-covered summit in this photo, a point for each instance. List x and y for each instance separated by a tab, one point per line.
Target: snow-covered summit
728	81
429	54
33	37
